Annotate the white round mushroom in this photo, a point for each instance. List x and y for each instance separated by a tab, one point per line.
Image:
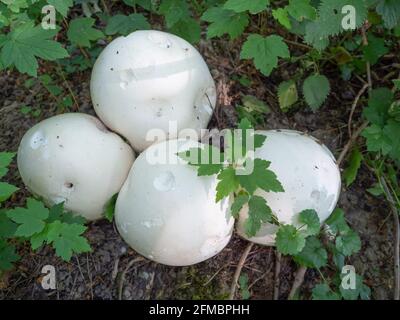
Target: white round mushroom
147	79
308	173
73	158
167	213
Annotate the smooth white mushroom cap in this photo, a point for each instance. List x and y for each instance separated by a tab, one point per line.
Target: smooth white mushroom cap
308	173
148	78
169	214
73	158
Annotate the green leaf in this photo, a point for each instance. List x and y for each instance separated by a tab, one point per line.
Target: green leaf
253	6
264	51
124	25
110	208
5	160
62	6
227	184
348	243
81	32
375	49
392	132
224	21
315	90
6	190
238	204
301	9
7	255
27	42
313	254
57	213
259	212
310	219
396	83
207	159
282	16
376	139
337	222
7	227
260	177
252	104
323	292
376	190
66	239
16	5
244	286
174	11
30	219
350	173
378	106
390	12
289	240
287	94
189	29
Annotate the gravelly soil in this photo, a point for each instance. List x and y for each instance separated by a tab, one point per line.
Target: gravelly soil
98	275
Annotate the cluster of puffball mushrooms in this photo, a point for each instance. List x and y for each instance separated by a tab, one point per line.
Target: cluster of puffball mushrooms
164	211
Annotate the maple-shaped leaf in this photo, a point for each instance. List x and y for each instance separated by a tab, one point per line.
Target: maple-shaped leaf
67	239
259	212
238	204
62	6
224	21
261	177
30	219
227	184
379	103
377	140
264	51
208	159
24	44
253	6
81	32
174	11
124	25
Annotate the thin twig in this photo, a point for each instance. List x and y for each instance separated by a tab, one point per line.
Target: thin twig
368	65
354	105
397	240
239	270
298	281
277	273
122	280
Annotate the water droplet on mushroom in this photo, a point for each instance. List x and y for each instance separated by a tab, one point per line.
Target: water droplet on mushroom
165	181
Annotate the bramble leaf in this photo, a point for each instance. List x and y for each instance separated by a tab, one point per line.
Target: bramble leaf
227	184
315	90
259	212
287	94
81	32
238	204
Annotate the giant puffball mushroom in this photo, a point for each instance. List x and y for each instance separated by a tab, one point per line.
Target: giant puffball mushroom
308	173
167	213
73	158
147	79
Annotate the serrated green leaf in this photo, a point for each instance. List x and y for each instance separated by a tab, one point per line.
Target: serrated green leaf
337	222
310	219
8	255
208	160
253	6
289	240
62	6
379	103
27	42
81	32
238	204
287	94
5	160
281	15
174	11
189	29
7	227
376	139
315	90
31	219
375	49
264	51
301	9
224	21
323	292
348	243
313	254
124	25
259	212
67	239
350	173
390	12
6	190
392	132
261	177
227	184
